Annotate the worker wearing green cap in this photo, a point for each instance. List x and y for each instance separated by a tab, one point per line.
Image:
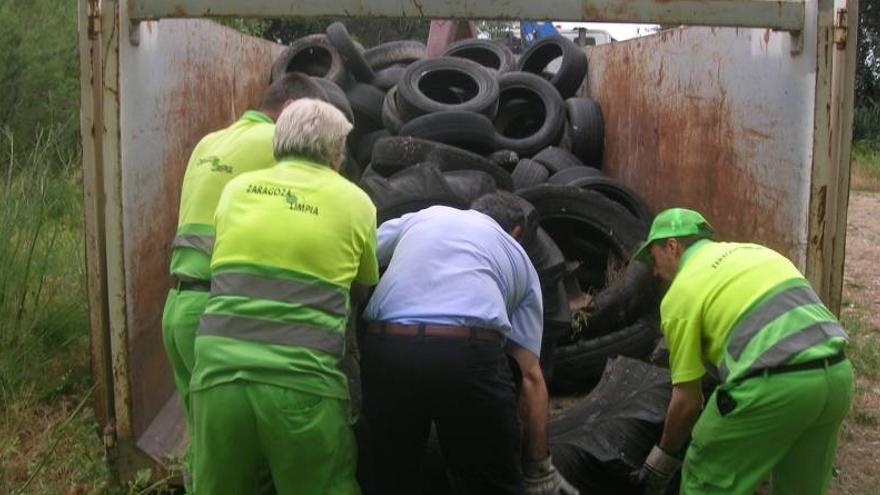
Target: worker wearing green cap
785	382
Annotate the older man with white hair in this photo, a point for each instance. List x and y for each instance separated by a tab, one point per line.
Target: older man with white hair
267	390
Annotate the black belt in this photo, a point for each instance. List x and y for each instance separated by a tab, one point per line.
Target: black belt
431	330
199	285
788	368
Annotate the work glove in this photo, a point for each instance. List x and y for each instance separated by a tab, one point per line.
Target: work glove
543	479
656	472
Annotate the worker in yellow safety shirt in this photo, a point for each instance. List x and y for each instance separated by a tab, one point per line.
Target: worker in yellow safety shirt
267	389
785	385
219	157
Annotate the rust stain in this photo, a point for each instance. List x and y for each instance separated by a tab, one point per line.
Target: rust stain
180	11
591	12
674	138
212	82
758	134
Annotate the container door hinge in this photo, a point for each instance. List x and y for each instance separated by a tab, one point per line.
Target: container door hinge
108	436
840	28
134	33
94	13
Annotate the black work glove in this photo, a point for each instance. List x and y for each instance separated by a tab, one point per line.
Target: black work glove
543	479
656	472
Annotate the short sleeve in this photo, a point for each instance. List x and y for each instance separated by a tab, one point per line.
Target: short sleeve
388	236
682	328
368	270
527	318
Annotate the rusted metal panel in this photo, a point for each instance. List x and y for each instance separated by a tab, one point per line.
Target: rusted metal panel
91	125
717	119
842	103
179	80
776	14
723	120
823	190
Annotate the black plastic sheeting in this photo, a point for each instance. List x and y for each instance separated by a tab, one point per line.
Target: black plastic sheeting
599	441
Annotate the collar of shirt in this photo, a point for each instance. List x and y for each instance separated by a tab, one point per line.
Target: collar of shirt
256	116
299	160
689	252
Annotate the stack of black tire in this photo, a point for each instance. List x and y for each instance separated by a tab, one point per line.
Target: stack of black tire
448	129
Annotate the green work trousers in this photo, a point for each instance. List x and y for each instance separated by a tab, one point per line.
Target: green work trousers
785	424
241	428
180	320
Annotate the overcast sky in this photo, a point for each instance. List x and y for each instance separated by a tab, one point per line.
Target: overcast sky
618	31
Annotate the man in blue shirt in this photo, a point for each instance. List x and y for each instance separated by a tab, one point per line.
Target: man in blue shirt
458	297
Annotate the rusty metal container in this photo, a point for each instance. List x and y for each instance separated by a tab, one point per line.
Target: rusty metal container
750	123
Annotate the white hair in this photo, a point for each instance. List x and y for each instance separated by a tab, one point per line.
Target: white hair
312	129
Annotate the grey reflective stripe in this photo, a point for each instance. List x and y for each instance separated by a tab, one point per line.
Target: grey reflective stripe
773	308
199	242
802	340
273	332
317	296
782	351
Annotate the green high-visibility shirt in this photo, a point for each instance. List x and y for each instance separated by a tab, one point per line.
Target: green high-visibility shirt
244	146
290	240
717	285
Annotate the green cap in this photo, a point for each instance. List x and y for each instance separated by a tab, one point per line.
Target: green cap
674	222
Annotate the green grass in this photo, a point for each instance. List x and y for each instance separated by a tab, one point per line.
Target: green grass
48	434
865	174
864	344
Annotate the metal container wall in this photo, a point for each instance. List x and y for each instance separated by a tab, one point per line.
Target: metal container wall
715	119
177	80
183	79
730	121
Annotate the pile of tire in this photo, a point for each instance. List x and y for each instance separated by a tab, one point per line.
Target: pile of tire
448	129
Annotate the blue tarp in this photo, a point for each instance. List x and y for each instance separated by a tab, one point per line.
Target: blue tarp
532	31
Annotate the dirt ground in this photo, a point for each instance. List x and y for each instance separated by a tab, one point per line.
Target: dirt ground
858	457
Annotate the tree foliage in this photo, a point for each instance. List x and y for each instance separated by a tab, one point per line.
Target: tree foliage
868	69
39	69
